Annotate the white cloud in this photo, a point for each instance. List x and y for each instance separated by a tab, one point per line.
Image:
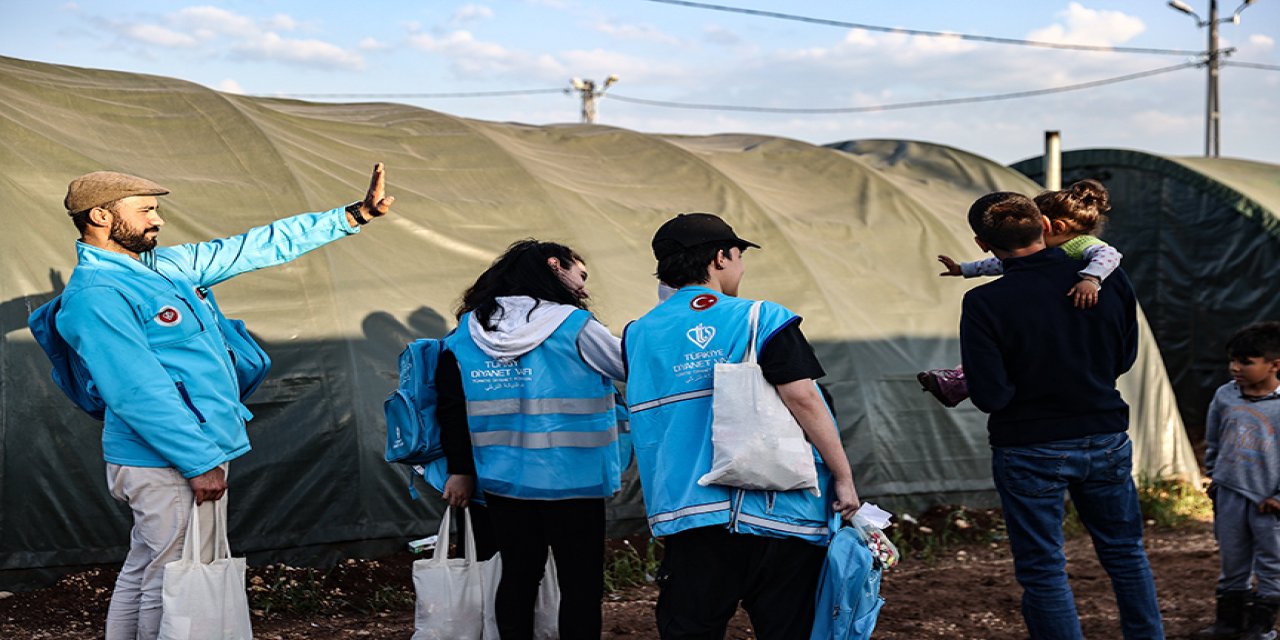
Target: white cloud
159	36
721	36
230	86
212	19
1090	26
598	64
373	44
1260	42
281	22
471	56
472	13
315	53
641	32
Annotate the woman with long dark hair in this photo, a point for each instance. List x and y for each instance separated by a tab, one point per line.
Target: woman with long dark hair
539	438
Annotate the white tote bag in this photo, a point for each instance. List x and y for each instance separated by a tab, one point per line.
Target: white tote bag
756	442
450	593
206	601
546	609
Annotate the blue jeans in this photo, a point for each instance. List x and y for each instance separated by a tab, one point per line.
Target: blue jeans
1095	470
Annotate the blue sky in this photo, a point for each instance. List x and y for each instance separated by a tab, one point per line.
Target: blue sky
680	54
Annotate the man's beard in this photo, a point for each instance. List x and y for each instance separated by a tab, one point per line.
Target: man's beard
135	241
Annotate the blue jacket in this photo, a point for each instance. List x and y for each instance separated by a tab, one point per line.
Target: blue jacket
543	426
148	336
671	354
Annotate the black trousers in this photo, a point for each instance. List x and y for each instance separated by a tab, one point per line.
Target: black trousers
574	531
707	571
482	529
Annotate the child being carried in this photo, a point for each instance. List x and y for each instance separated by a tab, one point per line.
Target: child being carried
1076	215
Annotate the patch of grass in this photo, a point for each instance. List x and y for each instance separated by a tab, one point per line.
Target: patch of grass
1172	503
935	532
389	598
294	590
625	566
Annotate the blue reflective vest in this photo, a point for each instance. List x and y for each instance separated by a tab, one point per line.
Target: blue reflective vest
543	425
671	354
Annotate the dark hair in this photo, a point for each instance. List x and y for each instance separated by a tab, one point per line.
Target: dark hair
81	218
690	266
1258	340
1082	205
521	270
1006	220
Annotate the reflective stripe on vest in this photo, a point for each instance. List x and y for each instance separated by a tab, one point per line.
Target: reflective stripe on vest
679	397
540	406
689	511
548	440
797	529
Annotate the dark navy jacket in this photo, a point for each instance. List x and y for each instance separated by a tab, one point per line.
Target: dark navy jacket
1042	368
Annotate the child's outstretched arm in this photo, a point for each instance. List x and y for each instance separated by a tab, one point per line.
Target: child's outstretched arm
1103	259
988	267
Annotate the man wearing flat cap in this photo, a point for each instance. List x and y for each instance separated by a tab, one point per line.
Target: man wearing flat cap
725	546
141	321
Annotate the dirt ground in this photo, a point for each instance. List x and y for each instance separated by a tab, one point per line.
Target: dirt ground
967	591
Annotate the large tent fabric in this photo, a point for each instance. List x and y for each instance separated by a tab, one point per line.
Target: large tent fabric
848	240
1201	241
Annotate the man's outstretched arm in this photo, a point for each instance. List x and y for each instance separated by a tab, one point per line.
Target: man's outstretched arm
281	241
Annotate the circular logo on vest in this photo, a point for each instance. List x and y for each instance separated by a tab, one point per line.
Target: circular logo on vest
703	302
168	317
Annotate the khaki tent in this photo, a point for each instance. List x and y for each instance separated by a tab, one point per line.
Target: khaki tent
1201	241
848	242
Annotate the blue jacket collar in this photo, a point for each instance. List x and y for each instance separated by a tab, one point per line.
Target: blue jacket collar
89	255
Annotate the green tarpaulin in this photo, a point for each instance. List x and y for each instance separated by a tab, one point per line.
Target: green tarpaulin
849	238
1201	241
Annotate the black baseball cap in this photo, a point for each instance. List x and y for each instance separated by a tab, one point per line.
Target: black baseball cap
689	230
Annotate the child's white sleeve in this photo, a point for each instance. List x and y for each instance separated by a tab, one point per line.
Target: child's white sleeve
1103	259
988	267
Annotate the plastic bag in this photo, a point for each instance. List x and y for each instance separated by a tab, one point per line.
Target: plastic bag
869	523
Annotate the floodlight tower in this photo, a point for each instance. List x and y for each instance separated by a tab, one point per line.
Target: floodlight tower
587	90
1212	141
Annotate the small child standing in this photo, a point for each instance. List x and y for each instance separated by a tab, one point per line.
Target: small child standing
1076	214
1243	460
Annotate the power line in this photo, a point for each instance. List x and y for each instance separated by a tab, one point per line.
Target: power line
471	94
936	34
909	105
1252	65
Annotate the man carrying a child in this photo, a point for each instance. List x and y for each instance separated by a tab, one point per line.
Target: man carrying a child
1045	371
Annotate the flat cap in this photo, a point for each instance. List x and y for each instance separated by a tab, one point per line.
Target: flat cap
100	187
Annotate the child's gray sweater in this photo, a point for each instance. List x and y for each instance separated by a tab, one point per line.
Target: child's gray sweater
1243	451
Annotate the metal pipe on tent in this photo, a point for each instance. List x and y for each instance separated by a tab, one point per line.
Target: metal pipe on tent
1052	160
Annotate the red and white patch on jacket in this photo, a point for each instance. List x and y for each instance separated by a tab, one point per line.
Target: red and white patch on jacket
168	317
703	302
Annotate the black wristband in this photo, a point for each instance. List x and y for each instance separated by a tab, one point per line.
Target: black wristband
354	210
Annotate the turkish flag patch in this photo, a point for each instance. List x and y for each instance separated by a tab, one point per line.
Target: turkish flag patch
168	317
703	302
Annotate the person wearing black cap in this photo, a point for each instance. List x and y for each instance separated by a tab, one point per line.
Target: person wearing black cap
141	321
725	546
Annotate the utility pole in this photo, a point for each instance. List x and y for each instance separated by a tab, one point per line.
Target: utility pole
1213	113
587	91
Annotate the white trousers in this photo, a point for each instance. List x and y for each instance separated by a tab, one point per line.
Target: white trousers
160	499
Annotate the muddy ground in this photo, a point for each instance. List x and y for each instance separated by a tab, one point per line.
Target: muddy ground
964	590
